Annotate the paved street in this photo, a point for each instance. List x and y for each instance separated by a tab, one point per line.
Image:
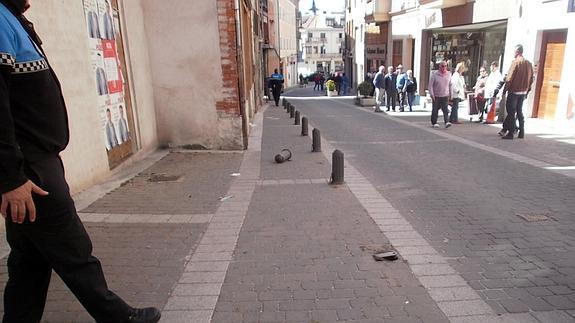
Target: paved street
484	227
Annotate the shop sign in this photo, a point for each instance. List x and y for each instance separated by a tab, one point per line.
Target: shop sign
376	51
432	18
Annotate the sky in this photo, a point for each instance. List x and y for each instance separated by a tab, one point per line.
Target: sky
322	5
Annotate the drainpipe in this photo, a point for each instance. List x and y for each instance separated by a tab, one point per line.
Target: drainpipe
241	85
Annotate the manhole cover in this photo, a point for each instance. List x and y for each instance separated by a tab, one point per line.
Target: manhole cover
162	178
534	217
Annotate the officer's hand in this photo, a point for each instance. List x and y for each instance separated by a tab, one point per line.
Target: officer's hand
20	200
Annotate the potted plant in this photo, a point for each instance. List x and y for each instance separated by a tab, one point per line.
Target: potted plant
330	85
364	90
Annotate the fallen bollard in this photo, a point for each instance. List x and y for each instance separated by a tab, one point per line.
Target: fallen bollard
304	123
297	118
387	255
283	156
337	166
316	141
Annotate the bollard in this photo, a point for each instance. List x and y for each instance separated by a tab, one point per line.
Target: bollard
297	118
284	102
283	156
288	107
337	168
292	112
304	126
316	141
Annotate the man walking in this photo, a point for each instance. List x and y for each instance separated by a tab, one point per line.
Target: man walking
42	227
379	85
518	83
439	90
276	83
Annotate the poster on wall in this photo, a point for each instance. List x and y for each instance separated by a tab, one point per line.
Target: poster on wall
102	31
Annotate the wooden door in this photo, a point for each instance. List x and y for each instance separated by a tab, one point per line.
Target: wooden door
549	82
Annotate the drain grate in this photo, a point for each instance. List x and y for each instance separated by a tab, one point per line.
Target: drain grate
163	178
535	217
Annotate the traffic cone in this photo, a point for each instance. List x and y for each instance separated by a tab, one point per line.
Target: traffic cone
491	115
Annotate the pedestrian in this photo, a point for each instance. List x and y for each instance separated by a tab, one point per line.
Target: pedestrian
338	82
379	85
276	83
317	81
390	88
400	84
518	84
42	227
321	81
491	84
410	87
300	80
344	83
457	91
440	91
479	89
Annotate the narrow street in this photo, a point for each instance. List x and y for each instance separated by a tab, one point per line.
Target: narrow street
501	220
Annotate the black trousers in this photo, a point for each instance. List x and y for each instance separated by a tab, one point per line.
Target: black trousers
391	100
439	103
56	241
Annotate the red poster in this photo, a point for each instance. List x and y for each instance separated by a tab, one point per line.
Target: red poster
113	72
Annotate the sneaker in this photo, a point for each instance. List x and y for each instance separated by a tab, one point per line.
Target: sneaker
502	133
144	315
447	125
435	125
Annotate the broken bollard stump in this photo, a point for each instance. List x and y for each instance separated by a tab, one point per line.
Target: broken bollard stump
283	156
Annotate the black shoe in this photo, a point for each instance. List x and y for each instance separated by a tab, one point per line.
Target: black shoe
521	135
508	136
502	133
144	315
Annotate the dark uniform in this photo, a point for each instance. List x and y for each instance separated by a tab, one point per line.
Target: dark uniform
33	131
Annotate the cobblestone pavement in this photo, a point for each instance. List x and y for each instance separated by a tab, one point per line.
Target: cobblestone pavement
305	250
505	226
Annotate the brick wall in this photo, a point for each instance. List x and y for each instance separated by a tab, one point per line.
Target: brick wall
230	103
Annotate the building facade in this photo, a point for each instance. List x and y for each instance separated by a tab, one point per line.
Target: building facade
354	46
322	42
288	41
422	33
137	76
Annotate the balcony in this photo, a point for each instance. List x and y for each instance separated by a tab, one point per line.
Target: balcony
440	4
316	40
328	56
377	11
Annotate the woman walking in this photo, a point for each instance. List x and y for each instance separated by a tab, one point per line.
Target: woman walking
480	92
409	87
457	91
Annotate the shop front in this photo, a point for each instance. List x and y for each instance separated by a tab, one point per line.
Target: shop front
475	45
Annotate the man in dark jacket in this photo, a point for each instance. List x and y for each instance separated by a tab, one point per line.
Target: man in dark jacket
390	88
42	227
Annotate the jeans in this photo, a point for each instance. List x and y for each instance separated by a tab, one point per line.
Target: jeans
410	100
439	103
514	105
401	98
453	117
